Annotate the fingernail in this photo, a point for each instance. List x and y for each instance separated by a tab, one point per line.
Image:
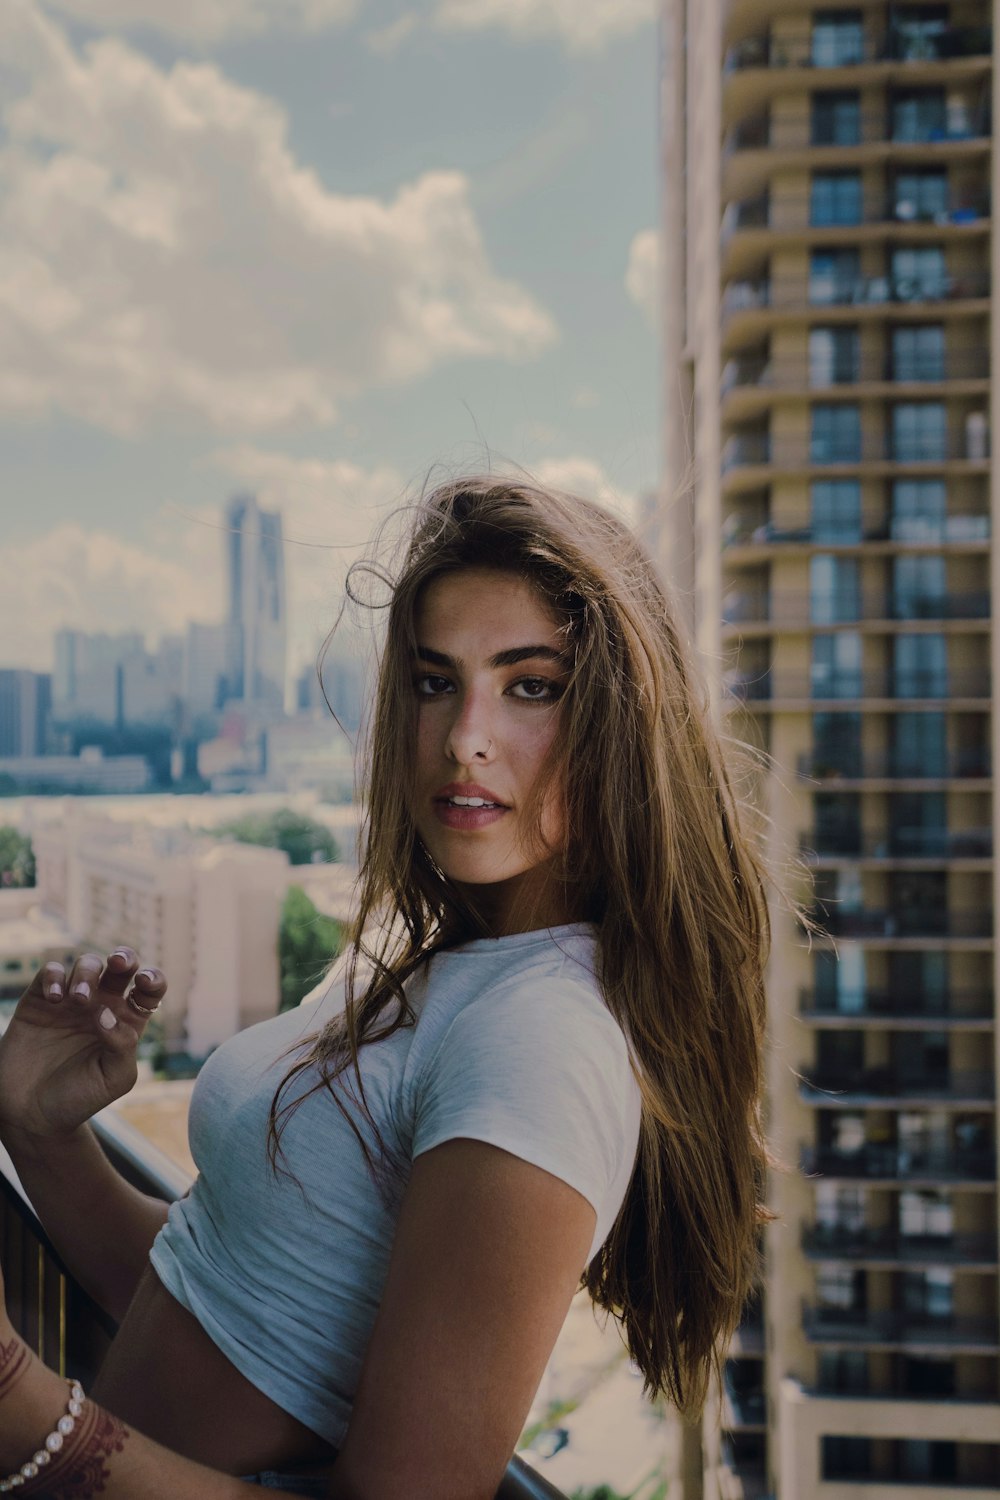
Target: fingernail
147	976
55	990
108	1019
83	990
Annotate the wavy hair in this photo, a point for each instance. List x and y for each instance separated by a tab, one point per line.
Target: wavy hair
658	855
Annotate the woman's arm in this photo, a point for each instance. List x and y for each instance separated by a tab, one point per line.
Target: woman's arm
487	1255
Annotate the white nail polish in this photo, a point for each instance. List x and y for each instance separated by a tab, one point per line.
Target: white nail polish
108	1019
83	990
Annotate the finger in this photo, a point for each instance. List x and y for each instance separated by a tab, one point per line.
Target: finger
86	977
49	982
151	984
119	969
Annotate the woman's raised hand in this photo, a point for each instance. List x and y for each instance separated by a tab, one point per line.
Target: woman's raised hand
70	1046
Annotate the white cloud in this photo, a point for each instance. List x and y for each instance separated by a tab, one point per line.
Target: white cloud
207	21
582	476
642	276
388	39
164	255
581	25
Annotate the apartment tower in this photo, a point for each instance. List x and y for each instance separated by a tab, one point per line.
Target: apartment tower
257	609
830	340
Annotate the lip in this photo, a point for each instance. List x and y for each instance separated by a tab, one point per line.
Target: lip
468	789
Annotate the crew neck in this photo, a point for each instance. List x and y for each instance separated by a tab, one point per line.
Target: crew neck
514	941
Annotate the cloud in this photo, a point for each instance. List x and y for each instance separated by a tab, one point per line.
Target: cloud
164	255
388	39
642	277
581	25
208	21
585	477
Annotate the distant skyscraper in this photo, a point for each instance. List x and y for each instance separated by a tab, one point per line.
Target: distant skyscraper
256	566
25	698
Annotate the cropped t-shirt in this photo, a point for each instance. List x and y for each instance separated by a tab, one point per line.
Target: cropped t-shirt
512	1045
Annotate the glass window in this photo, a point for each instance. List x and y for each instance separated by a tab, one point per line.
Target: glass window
837	38
834	275
917	273
835	506
918	34
840	1287
836	740
918	352
925	1212
919	745
836	117
928	1294
920	194
835	198
834	589
918	115
840	978
843	1370
837	827
833	355
919	432
846	1457
836	665
835	434
919	510
920	666
919	591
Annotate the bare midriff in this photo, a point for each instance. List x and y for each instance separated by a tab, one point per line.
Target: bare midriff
165	1377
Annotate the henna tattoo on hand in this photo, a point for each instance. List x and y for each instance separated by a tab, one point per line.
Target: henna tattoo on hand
80	1471
14	1361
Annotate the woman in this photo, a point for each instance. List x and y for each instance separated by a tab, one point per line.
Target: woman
542	1070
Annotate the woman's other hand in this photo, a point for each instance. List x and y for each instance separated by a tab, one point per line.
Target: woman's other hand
70	1047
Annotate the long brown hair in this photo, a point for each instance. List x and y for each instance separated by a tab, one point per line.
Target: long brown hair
657	856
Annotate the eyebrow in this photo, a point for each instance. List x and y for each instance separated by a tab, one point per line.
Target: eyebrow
508	658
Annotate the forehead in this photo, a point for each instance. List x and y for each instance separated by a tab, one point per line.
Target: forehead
489	605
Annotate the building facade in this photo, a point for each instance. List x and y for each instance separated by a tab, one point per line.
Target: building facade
828	260
25	706
257	610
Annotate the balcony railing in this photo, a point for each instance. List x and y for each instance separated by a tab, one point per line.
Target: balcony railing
765	132
894	1005
66	1328
962	1086
798	372
854	687
897	765
971	1394
864	47
744	1408
904	1330
894	1163
903	922
850	842
795	212
889	1247
759	448
812	607
793	529
795	293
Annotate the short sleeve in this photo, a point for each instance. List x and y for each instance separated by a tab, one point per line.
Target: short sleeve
544	1075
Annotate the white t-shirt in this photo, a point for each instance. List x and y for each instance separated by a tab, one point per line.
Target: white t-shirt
513	1045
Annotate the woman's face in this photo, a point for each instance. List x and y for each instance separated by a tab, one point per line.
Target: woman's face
489	674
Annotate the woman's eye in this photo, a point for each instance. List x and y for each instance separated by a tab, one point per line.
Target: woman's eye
430	685
536	689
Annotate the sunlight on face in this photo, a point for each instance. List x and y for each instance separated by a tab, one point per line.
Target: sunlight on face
489	676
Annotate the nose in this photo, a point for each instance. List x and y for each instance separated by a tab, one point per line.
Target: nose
469	739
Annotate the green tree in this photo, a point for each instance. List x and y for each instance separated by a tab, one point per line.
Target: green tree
307	942
303	839
17	858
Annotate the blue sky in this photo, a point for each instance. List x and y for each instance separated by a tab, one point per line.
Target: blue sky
307	247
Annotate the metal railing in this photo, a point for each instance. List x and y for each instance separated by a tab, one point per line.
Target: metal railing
792	529
899	765
848	606
759	448
889	1005
834	1242
800	293
798	372
851	842
895	1163
864	128
854	687
903	922
863	47
968	1085
66	1328
795	212
899	1329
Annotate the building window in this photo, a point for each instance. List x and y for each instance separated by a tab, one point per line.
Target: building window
835	670
917	273
833	355
920	194
918	352
918	35
835	434
919	432
919	745
837	38
835	198
834	275
836	742
835	507
846	1457
834	589
918	115
918	587
836	118
919	510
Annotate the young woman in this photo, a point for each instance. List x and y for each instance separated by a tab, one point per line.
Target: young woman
539	1067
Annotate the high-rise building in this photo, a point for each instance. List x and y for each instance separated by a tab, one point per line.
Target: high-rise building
828	257
256	571
88	681
25	703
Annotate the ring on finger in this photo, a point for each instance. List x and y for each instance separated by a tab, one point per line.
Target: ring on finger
142	1010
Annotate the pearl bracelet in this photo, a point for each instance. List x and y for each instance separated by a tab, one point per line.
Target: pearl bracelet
52	1444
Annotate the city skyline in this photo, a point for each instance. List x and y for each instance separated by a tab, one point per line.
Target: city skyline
340	257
